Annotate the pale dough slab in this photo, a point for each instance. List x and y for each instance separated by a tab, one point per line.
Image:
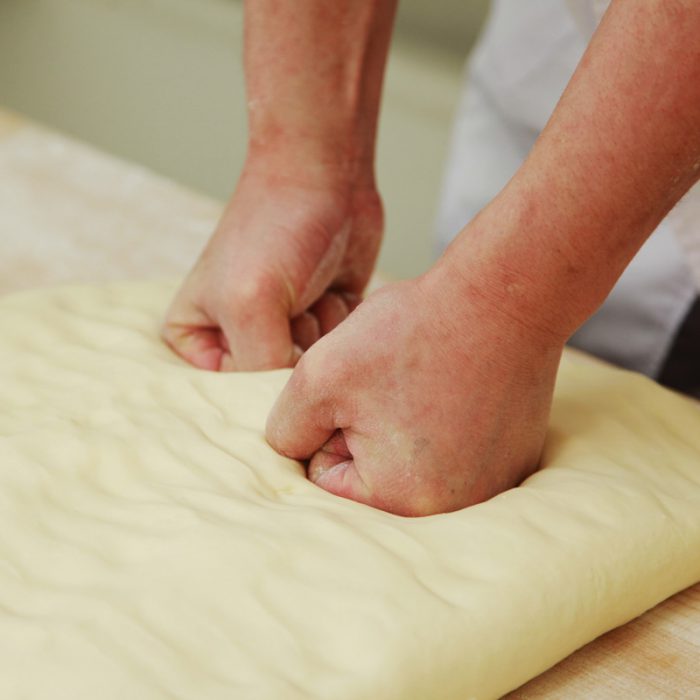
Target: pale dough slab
153	546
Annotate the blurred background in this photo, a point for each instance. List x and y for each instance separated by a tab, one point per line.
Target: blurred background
160	82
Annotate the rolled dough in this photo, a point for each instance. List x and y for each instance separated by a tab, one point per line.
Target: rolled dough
153	546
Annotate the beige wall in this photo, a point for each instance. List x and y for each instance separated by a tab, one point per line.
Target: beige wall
160	82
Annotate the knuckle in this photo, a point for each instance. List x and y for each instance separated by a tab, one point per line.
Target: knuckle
252	288
310	381
315	366
303	375
246	296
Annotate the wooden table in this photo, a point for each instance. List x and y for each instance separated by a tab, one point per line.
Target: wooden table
71	214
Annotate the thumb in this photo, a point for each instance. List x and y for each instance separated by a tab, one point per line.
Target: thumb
334	470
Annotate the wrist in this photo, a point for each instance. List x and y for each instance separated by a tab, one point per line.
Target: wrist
517	273
339	163
310	164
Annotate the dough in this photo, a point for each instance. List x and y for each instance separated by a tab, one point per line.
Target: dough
153	546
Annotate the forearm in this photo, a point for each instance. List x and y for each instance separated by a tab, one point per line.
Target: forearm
621	148
314	73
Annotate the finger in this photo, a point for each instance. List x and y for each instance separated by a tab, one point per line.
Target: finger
352	300
199	346
330	310
333	469
260	338
193	335
333	452
301	421
305	330
323	316
343	479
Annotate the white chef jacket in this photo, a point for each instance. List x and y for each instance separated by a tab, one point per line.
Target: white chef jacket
517	72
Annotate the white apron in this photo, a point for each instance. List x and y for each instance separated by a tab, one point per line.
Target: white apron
520	67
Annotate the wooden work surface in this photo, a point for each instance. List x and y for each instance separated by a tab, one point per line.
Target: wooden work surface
71	214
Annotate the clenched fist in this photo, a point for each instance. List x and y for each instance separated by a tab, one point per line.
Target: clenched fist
286	264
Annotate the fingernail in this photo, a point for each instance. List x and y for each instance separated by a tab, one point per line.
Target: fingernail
323	474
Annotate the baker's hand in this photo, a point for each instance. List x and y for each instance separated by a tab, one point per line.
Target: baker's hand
427	399
287	263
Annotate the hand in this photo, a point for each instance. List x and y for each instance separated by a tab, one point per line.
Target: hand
424	401
287	263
